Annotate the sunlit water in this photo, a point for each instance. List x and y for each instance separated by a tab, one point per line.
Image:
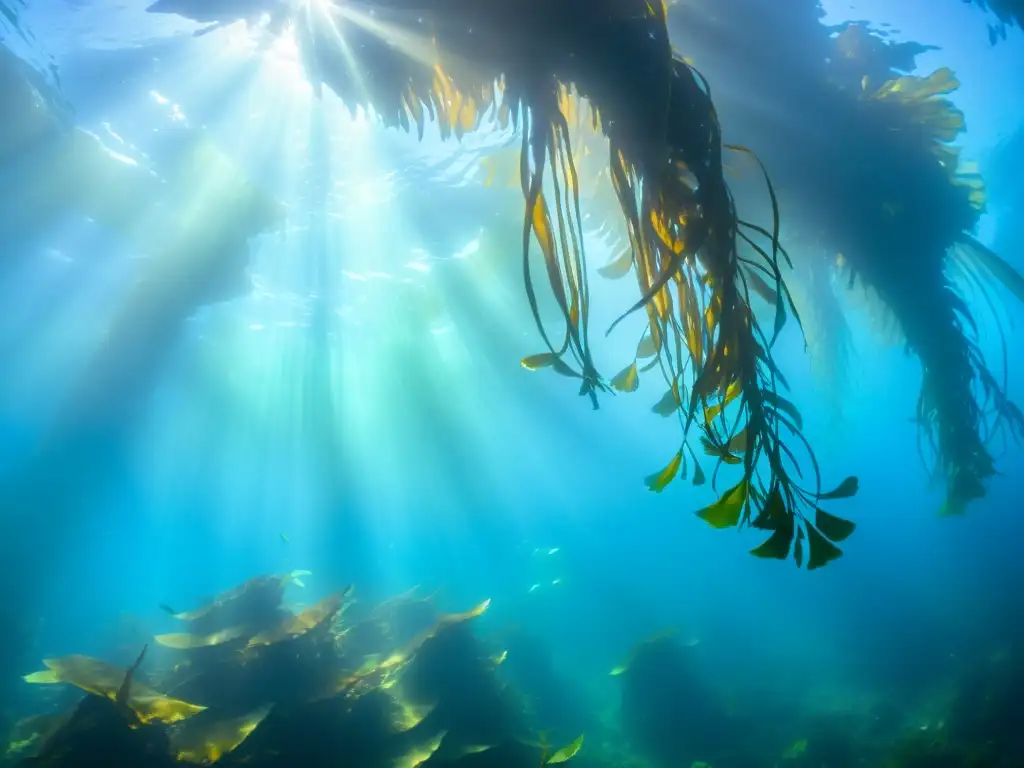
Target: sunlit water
362	413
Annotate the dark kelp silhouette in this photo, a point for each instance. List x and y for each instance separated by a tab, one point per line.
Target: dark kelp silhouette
1009	13
390	687
462	63
909	241
880	182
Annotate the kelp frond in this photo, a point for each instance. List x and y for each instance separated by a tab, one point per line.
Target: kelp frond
715	358
665	165
963	406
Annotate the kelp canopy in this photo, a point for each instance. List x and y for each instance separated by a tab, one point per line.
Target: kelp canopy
885	197
532	64
1009	12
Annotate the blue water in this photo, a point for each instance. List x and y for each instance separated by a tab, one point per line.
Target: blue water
333	419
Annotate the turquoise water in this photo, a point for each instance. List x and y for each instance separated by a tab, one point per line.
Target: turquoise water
358	409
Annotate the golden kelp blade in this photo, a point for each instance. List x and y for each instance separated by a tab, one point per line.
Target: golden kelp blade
421	753
726	512
204	743
627	380
42	677
150	705
103	679
301	622
401	657
660	480
183	641
547	360
408	716
566	752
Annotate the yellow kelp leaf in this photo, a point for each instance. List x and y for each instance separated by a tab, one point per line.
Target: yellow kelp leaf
619	266
301	622
542	226
648	346
183	641
667	405
546	360
112	682
42	677
205	743
659	480
725	513
844	490
822	551
150	706
566	752
626	380
542	360
731	393
421	753
832	527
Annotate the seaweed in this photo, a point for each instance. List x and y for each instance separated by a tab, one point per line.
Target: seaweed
889	207
322	689
1008	13
523	65
963	406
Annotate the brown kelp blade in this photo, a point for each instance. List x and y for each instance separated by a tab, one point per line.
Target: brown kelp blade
203	742
103	679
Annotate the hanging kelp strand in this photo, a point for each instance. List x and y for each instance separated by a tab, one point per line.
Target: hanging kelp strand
530	65
546	139
683	232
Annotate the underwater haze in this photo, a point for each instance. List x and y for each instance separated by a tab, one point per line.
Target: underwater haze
308	405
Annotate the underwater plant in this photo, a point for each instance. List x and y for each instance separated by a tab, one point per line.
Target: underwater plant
527	65
879	184
909	241
388	687
1010	13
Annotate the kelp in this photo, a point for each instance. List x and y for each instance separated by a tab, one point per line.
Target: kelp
323	689
108	681
536	66
963	405
884	195
1009	13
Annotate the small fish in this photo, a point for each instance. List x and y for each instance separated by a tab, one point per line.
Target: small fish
167	609
284	538
533	589
556	582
